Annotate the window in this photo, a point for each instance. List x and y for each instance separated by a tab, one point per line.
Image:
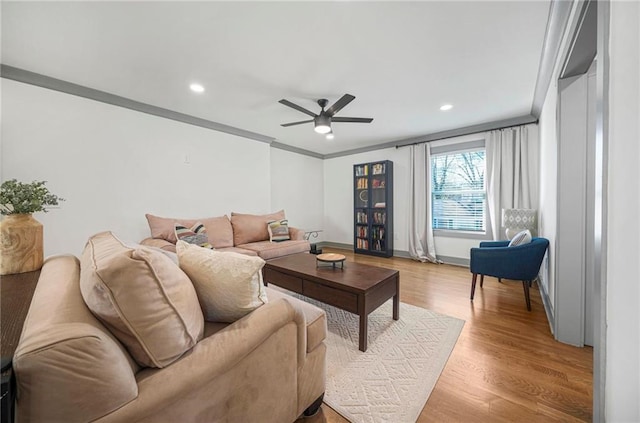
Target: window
458	194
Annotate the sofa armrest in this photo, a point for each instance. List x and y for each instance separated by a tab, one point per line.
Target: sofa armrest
163	244
213	357
296	234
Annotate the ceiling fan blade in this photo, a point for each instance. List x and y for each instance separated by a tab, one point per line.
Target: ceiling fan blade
338	105
297	123
350	119
298	108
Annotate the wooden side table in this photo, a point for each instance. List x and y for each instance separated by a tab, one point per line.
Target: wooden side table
16	292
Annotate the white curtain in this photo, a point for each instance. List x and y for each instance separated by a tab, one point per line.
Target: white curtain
421	245
512	172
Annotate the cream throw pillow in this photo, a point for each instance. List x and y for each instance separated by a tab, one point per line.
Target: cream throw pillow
229	285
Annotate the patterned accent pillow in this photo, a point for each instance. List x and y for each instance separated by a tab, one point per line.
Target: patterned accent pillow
197	234
521	238
278	230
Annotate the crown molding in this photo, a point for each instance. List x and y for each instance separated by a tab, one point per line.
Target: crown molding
27	77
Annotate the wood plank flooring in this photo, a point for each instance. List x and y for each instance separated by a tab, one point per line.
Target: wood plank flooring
506	366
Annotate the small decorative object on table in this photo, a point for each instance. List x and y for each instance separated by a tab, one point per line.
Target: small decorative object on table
20	234
315	250
308	234
330	258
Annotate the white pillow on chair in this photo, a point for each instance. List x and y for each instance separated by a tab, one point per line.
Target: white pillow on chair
521	238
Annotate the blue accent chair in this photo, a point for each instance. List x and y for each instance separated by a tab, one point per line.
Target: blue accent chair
497	259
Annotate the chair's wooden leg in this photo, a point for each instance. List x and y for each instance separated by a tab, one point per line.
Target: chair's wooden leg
473	285
481	280
525	284
500	280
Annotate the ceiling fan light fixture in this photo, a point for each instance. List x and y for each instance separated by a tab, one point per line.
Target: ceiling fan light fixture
322	121
322	129
196	88
322	124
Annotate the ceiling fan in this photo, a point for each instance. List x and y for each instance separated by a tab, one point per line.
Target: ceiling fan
322	121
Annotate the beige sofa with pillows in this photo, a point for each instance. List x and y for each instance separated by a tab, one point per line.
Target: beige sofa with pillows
243	233
119	335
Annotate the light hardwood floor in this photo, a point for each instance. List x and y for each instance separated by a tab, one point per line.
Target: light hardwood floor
506	366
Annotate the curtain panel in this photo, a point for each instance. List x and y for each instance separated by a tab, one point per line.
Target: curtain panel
421	243
512	172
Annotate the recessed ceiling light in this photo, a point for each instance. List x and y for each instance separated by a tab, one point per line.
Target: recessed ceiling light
196	88
446	107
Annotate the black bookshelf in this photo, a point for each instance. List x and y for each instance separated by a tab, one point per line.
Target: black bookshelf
373	208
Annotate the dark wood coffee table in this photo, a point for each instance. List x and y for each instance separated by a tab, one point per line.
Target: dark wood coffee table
357	288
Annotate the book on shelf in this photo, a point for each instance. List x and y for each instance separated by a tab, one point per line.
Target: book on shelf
377	169
378	233
362	244
379	218
377	183
362	170
380	205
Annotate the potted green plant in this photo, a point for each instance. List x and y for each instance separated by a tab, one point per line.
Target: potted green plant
21	234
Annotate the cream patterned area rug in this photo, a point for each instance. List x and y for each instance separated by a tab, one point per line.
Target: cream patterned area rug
393	379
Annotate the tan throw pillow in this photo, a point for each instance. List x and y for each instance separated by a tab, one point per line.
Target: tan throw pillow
219	229
229	285
197	234
144	299
278	230
251	227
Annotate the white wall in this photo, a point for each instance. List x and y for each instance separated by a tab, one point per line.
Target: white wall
297	186
548	178
113	165
338	194
622	389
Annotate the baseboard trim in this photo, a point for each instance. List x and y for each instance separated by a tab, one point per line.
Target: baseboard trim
546	302
401	253
455	261
338	245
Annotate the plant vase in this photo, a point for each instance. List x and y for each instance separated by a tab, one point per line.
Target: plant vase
21	248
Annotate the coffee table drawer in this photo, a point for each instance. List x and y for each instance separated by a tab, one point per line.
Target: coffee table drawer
283	280
332	296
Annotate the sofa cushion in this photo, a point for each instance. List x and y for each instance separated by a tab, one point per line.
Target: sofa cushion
197	234
268	250
238	250
278	230
144	299
219	229
166	246
251	227
229	285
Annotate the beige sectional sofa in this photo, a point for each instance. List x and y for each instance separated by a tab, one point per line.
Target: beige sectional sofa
78	364
243	233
